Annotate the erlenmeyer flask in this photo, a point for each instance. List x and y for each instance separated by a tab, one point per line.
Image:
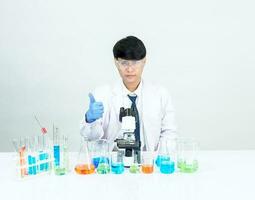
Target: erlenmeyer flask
117	164
165	158
103	156
84	165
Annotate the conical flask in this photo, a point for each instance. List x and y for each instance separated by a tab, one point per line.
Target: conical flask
104	157
84	164
163	153
165	158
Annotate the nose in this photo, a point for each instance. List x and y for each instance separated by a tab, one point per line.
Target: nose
130	68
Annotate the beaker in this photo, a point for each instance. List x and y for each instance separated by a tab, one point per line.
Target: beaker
84	165
187	150
134	167
101	156
166	156
147	162
117	164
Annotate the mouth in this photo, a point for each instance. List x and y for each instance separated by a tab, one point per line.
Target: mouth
130	76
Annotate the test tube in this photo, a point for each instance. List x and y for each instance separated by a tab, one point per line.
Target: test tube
62	167
32	168
56	148
43	154
66	155
60	152
21	149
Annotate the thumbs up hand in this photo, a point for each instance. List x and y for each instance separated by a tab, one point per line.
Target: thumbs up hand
96	110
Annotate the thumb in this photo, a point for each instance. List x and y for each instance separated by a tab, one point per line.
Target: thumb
91	98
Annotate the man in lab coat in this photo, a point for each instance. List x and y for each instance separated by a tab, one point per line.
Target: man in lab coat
154	107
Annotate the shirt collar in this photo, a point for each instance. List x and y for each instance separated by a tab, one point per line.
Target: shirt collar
137	92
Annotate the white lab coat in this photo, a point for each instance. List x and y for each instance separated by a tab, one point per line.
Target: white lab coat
157	114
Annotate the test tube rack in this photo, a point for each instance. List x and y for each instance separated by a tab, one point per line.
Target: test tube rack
33	163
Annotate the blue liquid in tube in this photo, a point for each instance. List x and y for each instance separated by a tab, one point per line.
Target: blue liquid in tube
32	165
43	157
56	153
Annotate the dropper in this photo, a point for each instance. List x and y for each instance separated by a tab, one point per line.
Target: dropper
43	129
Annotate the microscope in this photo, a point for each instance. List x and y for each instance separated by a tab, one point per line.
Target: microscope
128	142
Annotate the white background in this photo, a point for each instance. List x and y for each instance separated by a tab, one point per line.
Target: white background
53	52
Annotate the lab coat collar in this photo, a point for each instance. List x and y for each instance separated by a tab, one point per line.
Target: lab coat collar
121	89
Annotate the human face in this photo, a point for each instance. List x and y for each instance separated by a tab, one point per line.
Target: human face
130	70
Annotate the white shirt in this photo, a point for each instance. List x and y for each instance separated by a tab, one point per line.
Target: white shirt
156	113
127	104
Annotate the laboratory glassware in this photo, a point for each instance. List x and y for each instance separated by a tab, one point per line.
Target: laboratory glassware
166	155
103	156
134	167
61	156
84	163
117	164
147	162
187	155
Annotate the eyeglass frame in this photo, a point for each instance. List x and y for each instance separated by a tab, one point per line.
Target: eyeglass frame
133	64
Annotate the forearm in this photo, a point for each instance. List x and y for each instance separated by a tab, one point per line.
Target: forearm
92	131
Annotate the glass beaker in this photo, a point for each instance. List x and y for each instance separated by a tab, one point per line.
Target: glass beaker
134	167
117	164
84	165
166	156
187	150
147	162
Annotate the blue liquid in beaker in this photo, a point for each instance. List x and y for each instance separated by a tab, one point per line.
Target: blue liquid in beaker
117	168
167	167
160	159
96	160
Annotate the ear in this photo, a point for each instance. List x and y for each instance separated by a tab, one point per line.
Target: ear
145	59
115	62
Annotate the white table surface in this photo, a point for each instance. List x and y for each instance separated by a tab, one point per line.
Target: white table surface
224	175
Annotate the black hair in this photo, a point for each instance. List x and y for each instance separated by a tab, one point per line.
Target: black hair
129	48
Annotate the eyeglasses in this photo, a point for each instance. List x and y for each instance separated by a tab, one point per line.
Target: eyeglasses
126	63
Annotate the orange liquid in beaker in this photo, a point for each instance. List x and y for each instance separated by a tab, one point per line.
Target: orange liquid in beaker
147	169
85	169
